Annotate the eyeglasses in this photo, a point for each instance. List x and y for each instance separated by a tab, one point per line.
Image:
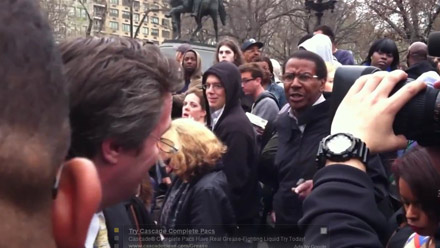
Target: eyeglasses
247	80
214	86
166	145
303	77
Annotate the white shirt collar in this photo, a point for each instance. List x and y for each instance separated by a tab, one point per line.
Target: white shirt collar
92	233
215	116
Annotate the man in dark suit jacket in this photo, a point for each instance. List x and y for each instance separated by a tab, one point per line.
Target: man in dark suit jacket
118	128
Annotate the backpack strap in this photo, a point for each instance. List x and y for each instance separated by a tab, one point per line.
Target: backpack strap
264	95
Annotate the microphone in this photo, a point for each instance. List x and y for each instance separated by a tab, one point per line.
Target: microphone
434	44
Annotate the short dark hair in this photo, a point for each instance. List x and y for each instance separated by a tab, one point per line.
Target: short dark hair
238	60
327	31
304	38
266	76
34	130
267	60
116	90
321	69
384	45
254	68
420	168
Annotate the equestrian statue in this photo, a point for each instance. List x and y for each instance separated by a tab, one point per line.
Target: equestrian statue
198	9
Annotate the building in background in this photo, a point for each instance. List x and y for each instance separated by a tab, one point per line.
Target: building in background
155	27
73	18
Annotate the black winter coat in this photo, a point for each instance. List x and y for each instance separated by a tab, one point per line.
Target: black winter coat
418	69
206	204
341	210
295	158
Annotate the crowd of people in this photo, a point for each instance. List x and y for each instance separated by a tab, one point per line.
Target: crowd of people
106	142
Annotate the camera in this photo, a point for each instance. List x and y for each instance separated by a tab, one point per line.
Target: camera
418	120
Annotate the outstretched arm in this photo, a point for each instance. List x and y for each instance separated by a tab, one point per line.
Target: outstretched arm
341	210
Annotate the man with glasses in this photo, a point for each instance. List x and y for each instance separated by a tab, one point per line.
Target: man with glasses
251	53
120	103
265	104
228	121
301	125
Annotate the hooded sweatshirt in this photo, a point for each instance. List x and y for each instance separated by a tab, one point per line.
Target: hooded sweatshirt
196	77
234	129
194	81
321	45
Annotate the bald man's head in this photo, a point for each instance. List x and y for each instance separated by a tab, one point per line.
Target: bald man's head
417	51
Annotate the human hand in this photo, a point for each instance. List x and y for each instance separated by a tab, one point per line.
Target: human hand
304	189
273	216
367	111
166	180
259	130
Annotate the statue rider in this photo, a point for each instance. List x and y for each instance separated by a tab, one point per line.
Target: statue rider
185	7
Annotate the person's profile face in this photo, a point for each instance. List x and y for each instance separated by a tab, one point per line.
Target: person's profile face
304	89
225	53
266	70
416	217
134	164
248	83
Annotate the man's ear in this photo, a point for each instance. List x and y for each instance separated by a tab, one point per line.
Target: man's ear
322	87
78	198
110	151
258	79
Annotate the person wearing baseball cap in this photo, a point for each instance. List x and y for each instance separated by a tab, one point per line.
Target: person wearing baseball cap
251	50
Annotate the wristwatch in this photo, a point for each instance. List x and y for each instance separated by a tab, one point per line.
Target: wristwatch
341	147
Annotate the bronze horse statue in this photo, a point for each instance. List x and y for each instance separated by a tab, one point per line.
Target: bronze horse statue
212	8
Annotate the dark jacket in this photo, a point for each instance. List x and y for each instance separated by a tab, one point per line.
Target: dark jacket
205	205
278	92
128	217
235	131
344	57
419	68
341	210
295	158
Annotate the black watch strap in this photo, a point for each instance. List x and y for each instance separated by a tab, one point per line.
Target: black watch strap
357	150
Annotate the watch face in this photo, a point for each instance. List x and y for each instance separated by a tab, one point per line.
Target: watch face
339	144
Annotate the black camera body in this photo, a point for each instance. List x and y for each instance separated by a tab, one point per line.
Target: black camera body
418	120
